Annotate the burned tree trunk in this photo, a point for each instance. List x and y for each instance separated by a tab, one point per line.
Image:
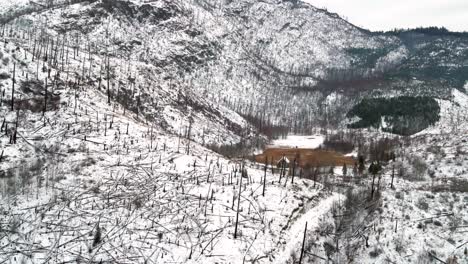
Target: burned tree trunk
238	202
303	244
13	88
189	132
294	170
264	176
45	98
108	81
393	176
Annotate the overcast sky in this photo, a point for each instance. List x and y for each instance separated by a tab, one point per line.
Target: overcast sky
390	14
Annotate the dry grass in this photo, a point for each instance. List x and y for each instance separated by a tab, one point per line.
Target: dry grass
305	157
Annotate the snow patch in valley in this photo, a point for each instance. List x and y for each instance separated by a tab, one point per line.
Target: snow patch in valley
353	154
296	141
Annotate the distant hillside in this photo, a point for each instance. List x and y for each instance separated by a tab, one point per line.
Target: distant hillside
274	61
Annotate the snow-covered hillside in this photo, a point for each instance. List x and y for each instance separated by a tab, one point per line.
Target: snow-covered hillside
111	110
424	216
85	180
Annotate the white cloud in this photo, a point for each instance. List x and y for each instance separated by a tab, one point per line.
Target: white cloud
387	15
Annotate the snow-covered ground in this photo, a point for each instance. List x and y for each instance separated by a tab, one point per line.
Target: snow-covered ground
453	115
7	4
312	218
425	216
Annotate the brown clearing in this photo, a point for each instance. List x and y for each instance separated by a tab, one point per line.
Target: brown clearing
305	157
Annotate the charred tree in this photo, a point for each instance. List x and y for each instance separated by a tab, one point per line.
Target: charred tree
13	88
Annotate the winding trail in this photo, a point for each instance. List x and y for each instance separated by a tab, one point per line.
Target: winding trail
295	233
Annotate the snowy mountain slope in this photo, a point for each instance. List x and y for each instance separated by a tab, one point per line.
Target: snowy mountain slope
107	162
84	180
280	47
148	76
453	116
285	58
424	215
281	54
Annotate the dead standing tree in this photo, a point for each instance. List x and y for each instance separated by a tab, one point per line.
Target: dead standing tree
238	200
45	98
374	169
303	244
108	81
264	176
393	176
294	170
13	88
189	132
